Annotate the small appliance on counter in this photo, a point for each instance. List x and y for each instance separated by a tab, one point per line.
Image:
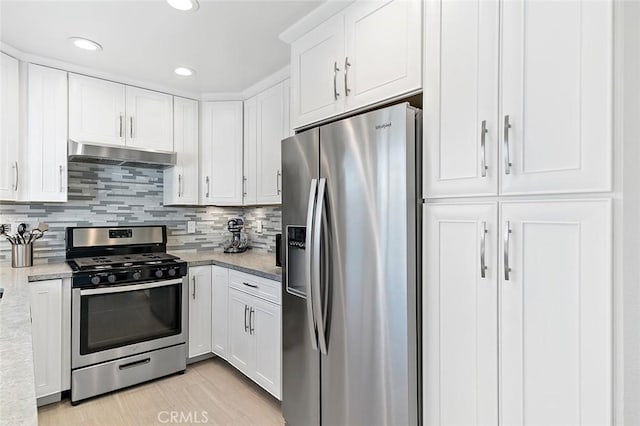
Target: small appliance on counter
238	241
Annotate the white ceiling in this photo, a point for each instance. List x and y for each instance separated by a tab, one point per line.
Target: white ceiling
230	44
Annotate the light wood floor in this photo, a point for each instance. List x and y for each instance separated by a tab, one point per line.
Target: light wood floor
210	386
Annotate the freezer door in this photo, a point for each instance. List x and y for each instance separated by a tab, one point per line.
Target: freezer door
300	361
369	373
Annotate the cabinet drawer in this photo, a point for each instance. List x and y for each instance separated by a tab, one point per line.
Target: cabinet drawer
256	286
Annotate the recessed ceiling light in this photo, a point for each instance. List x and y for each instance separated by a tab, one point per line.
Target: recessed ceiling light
183	71
85	44
184	4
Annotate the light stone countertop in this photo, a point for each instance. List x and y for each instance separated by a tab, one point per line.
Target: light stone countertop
255	263
17	381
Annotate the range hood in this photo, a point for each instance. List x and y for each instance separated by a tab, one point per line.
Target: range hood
87	152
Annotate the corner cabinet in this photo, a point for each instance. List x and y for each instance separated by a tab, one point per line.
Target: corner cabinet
219	310
9	143
221	153
520	90
266	123
181	181
110	113
47	134
199	310
334	69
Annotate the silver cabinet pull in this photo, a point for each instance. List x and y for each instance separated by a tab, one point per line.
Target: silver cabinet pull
179	185
121	131
61	181
505	141
483	133
251	316
15	167
483	248
317	297
208	186
347	64
194	287
308	253
131	127
335	81
278	175
244	186
507	235
246	328
250	285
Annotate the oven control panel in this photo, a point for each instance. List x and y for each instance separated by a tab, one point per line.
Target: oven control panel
127	275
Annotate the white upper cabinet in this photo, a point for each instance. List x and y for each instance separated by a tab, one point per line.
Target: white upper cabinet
47	133
316	64
110	113
368	53
555	316
460	314
221	153
181	181
556	96
383	45
149	119
250	166
9	143
271	130
543	121
96	110
461	127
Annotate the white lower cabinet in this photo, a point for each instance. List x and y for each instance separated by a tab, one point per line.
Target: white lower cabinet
219	310
536	326
199	310
241	344
51	335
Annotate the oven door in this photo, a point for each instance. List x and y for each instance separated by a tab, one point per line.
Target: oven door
114	322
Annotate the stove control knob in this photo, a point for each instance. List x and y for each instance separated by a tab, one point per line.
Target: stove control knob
159	273
137	275
111	278
172	272
95	280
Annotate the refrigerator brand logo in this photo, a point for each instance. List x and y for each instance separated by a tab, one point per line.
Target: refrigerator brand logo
383	126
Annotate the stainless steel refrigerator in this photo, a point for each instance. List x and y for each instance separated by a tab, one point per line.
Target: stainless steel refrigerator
350	296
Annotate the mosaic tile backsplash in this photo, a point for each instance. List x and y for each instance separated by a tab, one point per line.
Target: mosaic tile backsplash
105	195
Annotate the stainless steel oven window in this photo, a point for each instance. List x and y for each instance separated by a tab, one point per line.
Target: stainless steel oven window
125	315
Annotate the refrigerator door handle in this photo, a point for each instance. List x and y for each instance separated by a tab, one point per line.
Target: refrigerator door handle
317	299
311	321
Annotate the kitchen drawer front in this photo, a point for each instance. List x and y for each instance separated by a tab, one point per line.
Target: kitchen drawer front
256	286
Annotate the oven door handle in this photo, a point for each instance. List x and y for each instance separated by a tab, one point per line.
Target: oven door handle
129	287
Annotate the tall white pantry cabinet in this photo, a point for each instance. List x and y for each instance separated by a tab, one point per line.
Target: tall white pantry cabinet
517	291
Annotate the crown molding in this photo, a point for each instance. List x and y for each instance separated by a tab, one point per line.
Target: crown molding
313	19
267	82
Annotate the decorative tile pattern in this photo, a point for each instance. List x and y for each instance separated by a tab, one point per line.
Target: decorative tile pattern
105	195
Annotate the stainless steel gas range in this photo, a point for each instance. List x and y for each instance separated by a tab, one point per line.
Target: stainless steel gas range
129	308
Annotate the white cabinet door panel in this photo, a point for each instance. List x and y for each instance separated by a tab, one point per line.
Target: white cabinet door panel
266	326
383	51
47	134
557	94
199	310
9	143
96	110
181	181
250	166
317	60
460	314
241	352
219	310
461	98
149	119
46	327
270	118
555	317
